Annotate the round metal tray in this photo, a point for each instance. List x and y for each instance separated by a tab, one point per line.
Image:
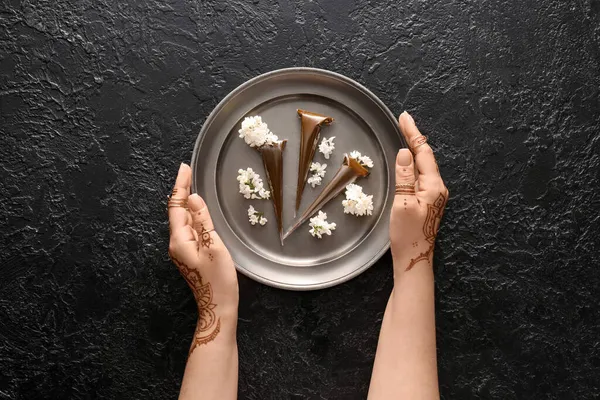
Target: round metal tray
362	122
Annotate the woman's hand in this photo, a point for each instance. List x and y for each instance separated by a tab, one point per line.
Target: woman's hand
405	363
421	197
203	261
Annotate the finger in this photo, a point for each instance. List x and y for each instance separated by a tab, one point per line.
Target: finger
201	222
178	215
405	168
405	178
424	158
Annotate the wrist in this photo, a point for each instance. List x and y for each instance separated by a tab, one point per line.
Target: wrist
217	320
222	331
228	317
406	263
228	328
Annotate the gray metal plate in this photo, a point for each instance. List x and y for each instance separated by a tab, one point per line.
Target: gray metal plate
362	122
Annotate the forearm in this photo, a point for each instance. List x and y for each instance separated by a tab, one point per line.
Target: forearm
405	363
212	367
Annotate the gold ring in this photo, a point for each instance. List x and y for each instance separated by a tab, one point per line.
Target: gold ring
200	228
418	141
405	188
176	202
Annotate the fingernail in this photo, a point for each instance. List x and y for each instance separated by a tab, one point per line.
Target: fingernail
181	166
404	158
200	200
410	118
195	202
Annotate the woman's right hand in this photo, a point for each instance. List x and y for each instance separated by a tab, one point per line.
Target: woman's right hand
203	261
421	197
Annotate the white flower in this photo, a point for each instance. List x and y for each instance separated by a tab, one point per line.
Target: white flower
365	161
318	172
354	154
271	138
262	193
320	226
251	185
318	169
256	133
357	203
256	217
326	147
353	191
314	180
364	205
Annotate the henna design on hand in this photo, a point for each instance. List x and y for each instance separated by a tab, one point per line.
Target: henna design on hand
435	212
203	233
208	325
205	238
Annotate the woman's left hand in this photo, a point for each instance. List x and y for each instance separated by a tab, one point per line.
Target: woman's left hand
203	261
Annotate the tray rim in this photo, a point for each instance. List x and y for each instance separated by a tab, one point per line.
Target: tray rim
241	88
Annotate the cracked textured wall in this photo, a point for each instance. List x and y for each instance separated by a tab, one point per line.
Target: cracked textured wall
101	100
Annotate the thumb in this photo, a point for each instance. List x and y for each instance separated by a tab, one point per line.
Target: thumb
201	221
405	167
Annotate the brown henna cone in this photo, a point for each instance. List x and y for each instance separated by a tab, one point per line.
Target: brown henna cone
272	156
348	173
257	135
310	124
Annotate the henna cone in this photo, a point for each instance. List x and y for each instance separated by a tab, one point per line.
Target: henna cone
310	129
348	173
273	162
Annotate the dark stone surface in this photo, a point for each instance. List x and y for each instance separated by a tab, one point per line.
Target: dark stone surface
101	100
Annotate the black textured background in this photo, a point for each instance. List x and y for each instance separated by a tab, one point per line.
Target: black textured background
101	100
